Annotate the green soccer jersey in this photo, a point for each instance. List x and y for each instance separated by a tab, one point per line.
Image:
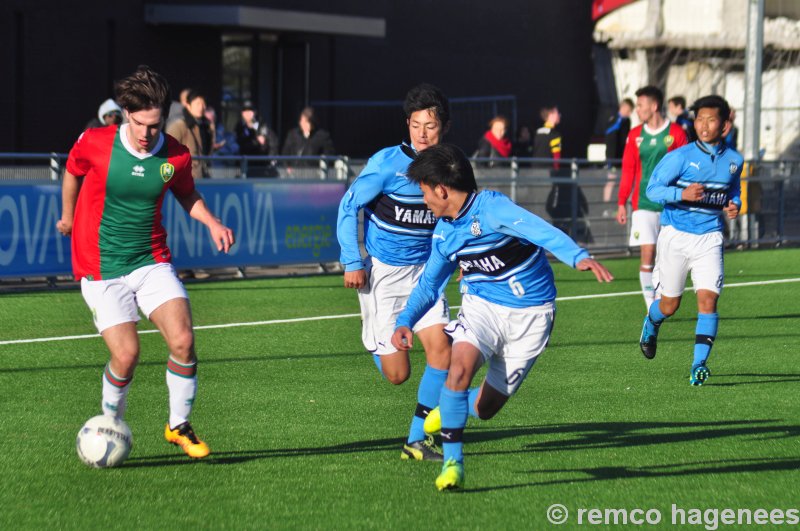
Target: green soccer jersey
644	149
117	227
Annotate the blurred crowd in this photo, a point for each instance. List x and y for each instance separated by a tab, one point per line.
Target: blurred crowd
196	125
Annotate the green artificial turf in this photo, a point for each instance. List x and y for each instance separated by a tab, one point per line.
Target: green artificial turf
305	434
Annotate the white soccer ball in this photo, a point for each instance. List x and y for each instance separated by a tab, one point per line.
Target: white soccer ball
104	441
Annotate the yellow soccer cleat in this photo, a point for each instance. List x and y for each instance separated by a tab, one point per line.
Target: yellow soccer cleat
183	435
433	422
452	476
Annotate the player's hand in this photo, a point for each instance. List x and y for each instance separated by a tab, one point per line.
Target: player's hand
222	237
403	338
64	226
693	192
622	215
355	279
732	210
599	270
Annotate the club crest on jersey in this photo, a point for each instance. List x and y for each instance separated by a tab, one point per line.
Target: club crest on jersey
733	168
639	141
167	171
138	171
668	140
475	229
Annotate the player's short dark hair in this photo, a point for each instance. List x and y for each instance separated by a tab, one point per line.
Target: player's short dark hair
193	95
144	89
545	111
654	93
713	102
678	100
627	101
443	164
310	115
426	96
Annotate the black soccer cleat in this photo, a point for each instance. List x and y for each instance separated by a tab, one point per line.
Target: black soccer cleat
649	339
424	450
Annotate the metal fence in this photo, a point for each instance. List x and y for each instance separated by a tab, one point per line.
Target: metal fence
580	197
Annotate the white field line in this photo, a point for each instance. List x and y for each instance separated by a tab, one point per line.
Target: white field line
350	315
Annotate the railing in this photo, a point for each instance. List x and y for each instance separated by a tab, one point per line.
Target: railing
580	197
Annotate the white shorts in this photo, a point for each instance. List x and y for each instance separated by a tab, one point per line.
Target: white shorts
115	301
510	339
678	253
384	297
645	225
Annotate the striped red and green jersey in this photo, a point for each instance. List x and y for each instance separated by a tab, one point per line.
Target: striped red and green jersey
644	149
117	225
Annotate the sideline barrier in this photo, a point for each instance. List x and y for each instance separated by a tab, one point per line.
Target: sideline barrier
275	222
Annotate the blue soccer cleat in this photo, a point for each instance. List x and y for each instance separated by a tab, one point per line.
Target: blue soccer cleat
451	477
700	374
649	338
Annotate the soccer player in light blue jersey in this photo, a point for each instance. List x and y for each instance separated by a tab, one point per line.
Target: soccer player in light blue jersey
397	237
508	292
696	184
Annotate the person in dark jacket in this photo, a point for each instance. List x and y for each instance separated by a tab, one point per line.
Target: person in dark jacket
257	138
307	140
617	132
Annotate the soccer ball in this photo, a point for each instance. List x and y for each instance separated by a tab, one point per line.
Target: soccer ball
104	441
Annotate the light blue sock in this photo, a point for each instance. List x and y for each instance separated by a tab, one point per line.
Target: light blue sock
473	397
705	333
655	318
453	406
377	360
428	392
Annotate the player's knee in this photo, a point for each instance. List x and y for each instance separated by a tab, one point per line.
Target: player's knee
669	306
439	359
397	376
126	359
458	376
182	346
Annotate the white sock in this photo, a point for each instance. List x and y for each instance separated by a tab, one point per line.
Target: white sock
648	289
182	385
115	394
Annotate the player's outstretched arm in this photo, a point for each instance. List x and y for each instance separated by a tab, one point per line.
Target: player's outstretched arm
600	272
70	187
221	235
403	338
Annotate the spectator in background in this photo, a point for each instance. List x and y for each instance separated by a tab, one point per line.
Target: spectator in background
494	144
307	140
523	143
677	113
225	144
617	132
176	107
732	136
186	130
109	113
257	139
547	142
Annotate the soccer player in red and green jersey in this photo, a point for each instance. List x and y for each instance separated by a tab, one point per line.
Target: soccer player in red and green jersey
113	188
646	145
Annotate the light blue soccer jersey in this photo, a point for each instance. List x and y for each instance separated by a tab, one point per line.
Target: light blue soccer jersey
397	224
500	248
717	168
